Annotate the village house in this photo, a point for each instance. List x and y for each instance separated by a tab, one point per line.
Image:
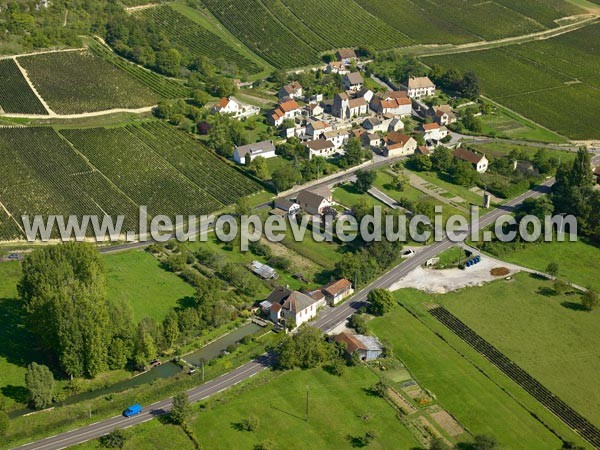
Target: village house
353	81
290	91
284	206
320	147
337	137
288	109
234	108
392	102
443	115
336	291
418	87
372	140
314	110
291	307
365	93
345	107
433	133
316	129
479	161
399	144
357	133
367	347
337	67
422	150
346	55
396	124
314	202
244	154
377	124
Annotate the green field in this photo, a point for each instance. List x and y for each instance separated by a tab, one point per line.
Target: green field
548	336
15	94
544	77
136	278
78	82
193	38
481	398
576	260
336	405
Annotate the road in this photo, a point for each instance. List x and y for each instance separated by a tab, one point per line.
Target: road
326	321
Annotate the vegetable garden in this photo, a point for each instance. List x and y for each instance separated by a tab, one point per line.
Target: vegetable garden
78	82
197	40
15	94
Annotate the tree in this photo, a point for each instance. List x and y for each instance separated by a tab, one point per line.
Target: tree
552	269
63	289
589	299
40	383
439	444
399	182
285	177
251	423
181	409
364	180
260	168
115	439
463	173
469	86
484	442
422	163
4	423
266	445
354	152
381	302
441	159
171	328
305	349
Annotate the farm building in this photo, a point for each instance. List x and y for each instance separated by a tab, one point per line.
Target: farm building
263	271
283	206
314	202
336	291
367	347
346	55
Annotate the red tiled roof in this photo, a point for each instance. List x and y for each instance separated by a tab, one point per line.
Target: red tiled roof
467	155
337	287
288	106
397	138
430	126
352	344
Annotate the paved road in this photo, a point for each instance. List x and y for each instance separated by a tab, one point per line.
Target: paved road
327	320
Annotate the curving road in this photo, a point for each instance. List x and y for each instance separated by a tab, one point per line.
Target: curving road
327	320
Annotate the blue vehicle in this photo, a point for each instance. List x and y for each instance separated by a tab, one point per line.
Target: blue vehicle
133	410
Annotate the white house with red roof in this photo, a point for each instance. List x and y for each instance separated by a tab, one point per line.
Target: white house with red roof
234	108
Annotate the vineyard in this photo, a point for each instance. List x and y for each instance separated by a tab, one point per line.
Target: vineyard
563	411
197	40
15	94
345	24
253	24
45	176
196	162
140	173
79	82
163	86
553	82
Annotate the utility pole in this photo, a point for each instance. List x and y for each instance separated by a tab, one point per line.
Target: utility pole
202	370
307	402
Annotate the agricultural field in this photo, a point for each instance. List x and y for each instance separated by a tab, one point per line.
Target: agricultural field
15	94
47	177
140	173
199	41
337	406
222	181
544	77
163	86
78	82
533	316
252	23
481	398
345	24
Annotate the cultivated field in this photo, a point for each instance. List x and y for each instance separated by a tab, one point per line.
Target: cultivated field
163	86
550	337
45	176
483	402
15	94
553	82
79	82
197	40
